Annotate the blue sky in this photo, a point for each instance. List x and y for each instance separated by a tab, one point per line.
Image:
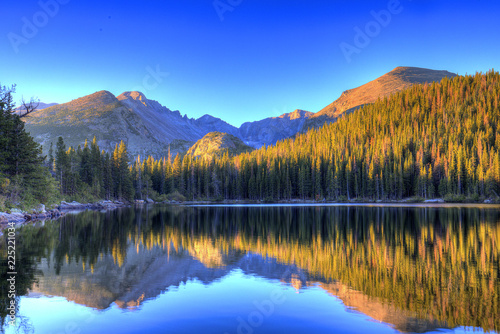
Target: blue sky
240	60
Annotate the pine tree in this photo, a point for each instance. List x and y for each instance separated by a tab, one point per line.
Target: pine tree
62	164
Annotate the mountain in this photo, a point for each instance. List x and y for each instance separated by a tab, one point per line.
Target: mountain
170	124
145	125
269	130
100	114
216	143
150	128
41	106
389	83
211	124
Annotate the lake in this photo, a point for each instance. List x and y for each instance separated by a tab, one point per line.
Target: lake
258	269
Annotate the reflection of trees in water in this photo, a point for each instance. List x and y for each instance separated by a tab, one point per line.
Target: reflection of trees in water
439	263
25	278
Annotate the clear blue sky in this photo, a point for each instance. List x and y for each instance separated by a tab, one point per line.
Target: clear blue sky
264	57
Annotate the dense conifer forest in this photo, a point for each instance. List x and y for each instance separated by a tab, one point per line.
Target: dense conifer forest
428	141
24	179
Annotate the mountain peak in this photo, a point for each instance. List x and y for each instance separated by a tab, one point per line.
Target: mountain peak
102	94
206	117
296	114
134	95
396	80
94	100
404	68
413	75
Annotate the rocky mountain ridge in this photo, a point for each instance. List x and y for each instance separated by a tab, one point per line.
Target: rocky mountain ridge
216	144
151	128
145	125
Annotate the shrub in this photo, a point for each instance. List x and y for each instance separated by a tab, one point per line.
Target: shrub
3	201
454	198
415	199
176	196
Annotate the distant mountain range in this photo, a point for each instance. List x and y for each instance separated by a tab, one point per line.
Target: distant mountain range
269	130
150	128
146	126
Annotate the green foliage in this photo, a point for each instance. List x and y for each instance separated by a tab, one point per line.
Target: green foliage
454	198
3	200
176	196
415	199
24	179
89	174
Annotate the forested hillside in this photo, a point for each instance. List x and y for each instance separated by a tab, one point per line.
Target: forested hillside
432	140
400	78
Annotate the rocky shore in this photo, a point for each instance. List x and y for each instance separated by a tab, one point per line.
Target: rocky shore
40	213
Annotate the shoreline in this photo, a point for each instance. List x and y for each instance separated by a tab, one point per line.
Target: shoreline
39	213
437	202
18	216
359	204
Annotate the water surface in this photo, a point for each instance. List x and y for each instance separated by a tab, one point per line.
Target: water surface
293	269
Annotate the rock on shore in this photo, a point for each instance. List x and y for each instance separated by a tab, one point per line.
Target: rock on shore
101	205
40	213
17	216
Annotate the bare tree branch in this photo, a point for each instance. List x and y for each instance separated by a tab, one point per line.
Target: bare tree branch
28	107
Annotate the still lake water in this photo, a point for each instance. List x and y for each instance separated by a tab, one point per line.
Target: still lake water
259	269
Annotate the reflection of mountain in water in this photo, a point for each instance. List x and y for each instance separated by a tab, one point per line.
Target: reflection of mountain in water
145	274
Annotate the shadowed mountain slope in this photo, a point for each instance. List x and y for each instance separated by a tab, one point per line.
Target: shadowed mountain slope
269	130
